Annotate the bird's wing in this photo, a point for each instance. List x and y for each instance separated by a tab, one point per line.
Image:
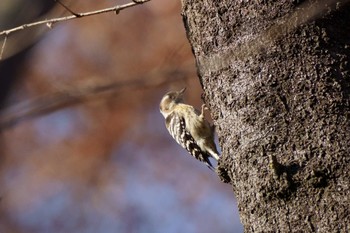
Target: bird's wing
177	128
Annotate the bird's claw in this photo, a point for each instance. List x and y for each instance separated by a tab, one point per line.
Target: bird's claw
204	107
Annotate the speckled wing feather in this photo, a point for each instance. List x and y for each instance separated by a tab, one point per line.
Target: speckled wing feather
177	129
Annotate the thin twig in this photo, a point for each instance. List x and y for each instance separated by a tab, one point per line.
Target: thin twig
67	8
3	47
74	16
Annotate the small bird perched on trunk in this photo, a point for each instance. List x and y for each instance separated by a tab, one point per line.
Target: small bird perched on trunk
189	128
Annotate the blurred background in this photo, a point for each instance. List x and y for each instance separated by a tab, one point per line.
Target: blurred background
83	147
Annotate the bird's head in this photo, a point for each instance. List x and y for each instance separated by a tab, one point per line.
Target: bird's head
170	100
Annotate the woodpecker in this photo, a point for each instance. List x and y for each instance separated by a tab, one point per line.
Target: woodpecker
189	128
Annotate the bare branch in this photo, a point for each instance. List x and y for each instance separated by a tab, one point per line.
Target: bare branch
59	100
74	16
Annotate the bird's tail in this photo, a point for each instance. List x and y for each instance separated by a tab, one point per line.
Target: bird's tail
208	163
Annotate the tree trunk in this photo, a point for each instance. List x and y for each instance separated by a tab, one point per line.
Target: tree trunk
276	78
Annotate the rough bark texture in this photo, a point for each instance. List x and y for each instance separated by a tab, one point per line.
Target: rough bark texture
276	78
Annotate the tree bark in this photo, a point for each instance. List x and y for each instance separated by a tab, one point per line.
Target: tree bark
276	78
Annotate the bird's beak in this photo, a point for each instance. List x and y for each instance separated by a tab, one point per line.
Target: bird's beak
182	91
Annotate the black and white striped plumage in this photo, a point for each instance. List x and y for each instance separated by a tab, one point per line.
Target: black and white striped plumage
188	128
